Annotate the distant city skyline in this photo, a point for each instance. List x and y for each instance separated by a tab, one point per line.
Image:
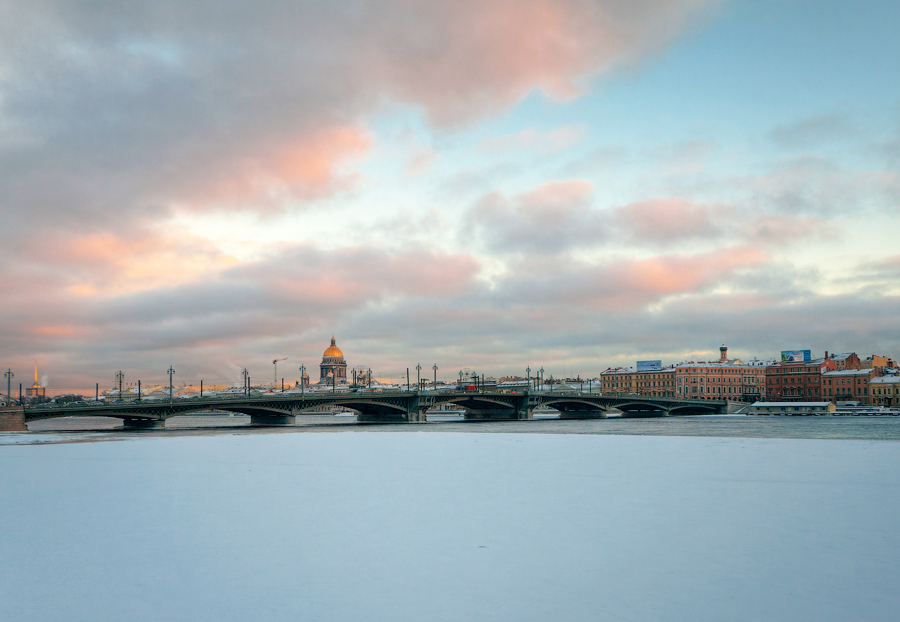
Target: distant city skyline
558	183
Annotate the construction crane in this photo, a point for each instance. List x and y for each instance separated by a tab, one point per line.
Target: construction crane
275	363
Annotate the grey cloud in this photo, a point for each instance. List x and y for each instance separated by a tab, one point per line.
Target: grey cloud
568	315
552	218
813	131
596	162
112	110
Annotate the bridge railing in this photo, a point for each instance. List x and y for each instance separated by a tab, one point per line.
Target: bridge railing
324	396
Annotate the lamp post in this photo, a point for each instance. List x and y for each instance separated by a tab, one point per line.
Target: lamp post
246	377
9	376
418	376
119	378
542	378
370	379
302	381
407	378
528	375
171	372
435	368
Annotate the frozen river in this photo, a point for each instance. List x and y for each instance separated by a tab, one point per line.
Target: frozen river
858	428
621	520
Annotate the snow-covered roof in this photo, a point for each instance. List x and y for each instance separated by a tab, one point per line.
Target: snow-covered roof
806	404
849	372
886	380
726	364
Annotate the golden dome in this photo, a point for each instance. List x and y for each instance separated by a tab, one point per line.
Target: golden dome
333	350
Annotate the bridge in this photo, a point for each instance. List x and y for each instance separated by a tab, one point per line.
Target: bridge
372	407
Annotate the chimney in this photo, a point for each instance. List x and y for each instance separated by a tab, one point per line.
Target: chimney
826	354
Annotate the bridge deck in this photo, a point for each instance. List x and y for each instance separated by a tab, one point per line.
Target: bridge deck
378	405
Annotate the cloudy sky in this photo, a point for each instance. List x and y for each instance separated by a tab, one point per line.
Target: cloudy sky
570	184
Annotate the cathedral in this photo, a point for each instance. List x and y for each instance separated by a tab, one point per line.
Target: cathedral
333	369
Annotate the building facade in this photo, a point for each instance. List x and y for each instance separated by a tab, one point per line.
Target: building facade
847	360
629	381
877	362
796	381
723	380
885	390
848	385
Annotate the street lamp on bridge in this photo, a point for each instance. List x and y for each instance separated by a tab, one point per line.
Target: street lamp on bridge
528	375
418	376
435	368
119	378
9	376
171	372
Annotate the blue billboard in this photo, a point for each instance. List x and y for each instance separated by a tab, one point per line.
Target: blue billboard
795	356
649	365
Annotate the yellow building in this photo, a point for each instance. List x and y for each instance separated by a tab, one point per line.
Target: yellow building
629	381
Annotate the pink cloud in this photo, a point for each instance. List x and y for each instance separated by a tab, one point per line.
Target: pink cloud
134	260
304	168
632	284
666	220
673	274
473	56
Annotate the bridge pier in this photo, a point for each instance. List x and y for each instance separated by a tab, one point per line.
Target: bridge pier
144	424
272	420
12	419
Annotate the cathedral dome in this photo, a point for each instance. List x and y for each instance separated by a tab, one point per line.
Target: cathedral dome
333	350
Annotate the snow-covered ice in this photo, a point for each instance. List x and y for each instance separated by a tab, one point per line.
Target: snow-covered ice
412	526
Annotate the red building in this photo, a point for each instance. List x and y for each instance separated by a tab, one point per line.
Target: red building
848	385
721	380
847	360
797	381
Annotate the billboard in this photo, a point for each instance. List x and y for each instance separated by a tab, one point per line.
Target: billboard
649	365
795	356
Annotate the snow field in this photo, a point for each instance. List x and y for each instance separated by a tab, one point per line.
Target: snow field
418	526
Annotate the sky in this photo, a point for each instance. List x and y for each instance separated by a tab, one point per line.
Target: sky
566	184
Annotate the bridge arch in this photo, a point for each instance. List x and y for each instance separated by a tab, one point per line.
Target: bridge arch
570	407
478	406
695	409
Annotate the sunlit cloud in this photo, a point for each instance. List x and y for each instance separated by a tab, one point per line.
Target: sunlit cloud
494	183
